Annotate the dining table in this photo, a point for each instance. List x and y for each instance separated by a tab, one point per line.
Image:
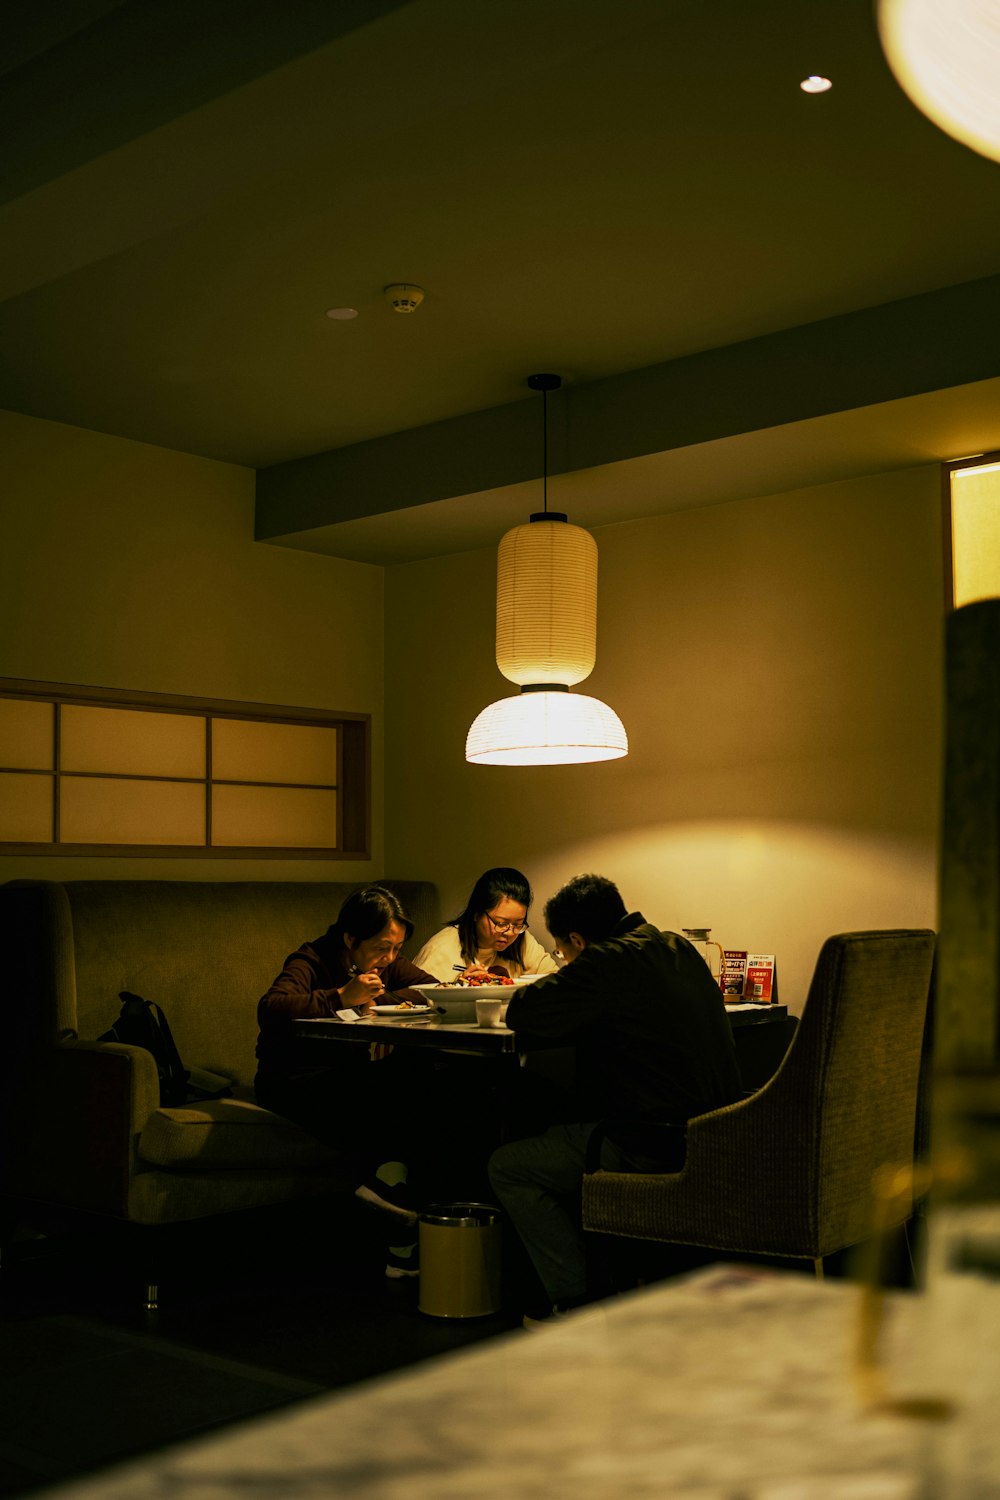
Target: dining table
426	1028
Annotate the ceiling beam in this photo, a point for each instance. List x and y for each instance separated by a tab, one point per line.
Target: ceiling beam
110	71
906	348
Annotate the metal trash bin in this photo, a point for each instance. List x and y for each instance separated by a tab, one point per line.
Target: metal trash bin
460	1260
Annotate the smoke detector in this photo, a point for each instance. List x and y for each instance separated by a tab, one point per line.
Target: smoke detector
403	296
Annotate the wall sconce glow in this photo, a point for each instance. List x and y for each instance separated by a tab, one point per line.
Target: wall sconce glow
546	634
814	84
975	533
946	57
546	727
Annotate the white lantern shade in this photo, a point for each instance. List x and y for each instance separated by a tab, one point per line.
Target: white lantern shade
945	55
546	729
547	603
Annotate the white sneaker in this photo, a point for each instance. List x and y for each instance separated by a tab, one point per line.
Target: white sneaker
547	1320
399	1267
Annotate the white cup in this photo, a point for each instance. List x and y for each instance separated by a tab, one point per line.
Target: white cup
488	1012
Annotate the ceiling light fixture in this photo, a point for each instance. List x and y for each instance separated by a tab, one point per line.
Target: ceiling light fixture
341	314
815	84
546	631
947	59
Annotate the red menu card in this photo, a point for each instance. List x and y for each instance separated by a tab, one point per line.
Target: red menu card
760	981
748	977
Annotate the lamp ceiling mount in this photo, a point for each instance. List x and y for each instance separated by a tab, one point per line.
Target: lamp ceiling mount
545	383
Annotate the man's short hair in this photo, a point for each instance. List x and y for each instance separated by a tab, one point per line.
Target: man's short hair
588	904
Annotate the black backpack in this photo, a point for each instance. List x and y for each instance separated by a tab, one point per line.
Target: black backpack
143	1024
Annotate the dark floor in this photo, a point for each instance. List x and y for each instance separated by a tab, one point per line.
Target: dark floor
248	1321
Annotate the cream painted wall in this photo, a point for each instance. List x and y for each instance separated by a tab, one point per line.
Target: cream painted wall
777	663
129	566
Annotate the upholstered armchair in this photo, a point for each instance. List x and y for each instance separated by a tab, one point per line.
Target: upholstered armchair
788	1171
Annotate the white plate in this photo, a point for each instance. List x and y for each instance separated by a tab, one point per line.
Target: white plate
401	1010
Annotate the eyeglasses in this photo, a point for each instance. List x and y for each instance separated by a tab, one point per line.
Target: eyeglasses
499	925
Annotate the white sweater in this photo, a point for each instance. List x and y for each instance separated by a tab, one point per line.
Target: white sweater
442	952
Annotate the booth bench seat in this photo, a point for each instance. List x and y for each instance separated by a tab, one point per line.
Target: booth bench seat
85	1135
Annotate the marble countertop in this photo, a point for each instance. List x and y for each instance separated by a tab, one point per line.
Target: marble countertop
734	1384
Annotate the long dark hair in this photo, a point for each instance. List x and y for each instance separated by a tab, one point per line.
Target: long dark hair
487	891
367	911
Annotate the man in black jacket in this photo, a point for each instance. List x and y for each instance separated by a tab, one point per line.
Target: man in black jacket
654	1048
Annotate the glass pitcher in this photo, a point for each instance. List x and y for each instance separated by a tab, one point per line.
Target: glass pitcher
710	950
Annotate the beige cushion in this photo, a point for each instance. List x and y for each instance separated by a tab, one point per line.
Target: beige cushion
234	1133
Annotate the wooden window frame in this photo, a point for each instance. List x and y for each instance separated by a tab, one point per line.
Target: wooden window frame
353	785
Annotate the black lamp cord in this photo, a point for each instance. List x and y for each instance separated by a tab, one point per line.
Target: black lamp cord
545	452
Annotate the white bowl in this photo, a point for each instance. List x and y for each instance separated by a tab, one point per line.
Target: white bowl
458	1001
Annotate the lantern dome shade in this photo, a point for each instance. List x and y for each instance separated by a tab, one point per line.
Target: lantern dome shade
546	729
946	57
547	603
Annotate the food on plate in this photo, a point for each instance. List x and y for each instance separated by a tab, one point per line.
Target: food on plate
488	976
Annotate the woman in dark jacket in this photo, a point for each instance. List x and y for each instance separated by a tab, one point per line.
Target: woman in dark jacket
369	1099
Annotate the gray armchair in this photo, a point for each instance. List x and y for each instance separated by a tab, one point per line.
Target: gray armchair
788	1171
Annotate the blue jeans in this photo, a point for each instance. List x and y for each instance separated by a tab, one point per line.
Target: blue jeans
538	1182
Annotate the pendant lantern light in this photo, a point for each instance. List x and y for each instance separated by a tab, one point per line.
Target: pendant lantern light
547	602
945	55
546	634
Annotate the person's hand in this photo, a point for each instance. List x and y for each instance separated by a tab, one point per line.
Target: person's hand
475	970
362	992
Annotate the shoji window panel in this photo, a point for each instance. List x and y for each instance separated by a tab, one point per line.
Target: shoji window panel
86	770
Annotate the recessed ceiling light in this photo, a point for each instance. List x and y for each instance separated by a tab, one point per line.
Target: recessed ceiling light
341	314
814	84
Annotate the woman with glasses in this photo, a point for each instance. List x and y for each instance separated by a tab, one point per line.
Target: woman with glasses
490	934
